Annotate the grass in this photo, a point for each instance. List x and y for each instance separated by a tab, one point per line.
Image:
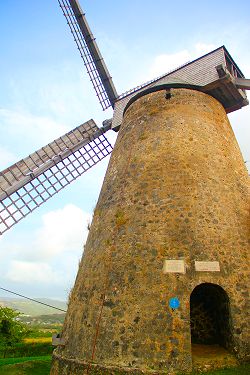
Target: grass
38	367
33	349
30	357
32	340
12	361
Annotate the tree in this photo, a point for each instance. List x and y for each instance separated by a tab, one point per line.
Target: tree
12	330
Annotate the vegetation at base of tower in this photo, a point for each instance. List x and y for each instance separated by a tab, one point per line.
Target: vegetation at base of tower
31	342
12	331
32	349
13	361
37	367
21	340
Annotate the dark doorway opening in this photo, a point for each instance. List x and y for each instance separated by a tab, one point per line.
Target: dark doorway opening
210	316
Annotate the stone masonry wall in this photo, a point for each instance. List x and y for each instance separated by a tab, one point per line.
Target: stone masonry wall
176	188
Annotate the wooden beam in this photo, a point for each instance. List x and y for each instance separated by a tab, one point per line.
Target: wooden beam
242	83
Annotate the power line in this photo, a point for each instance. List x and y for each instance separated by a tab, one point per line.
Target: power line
31	299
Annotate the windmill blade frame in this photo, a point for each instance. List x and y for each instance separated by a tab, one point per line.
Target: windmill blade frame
90	53
29	183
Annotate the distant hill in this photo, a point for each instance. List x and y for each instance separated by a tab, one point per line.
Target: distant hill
44	321
32	308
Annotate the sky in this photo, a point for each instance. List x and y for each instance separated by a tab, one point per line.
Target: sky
45	92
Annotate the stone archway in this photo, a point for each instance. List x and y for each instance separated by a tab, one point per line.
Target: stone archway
210	316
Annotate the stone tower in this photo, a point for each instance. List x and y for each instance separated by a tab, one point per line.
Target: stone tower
172	215
168	238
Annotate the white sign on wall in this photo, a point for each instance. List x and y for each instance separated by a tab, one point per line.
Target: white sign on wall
174	266
207	266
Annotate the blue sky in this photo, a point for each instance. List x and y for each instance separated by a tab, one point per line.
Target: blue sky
44	92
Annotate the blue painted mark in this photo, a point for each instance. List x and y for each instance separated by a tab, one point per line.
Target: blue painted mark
174	303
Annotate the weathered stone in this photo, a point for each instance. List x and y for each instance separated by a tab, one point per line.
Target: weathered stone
176	188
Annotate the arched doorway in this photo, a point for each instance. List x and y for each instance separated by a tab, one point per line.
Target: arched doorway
210	316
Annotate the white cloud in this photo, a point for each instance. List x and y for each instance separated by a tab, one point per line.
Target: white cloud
30	127
167	62
62	233
63	230
28	272
52	252
60	91
202	48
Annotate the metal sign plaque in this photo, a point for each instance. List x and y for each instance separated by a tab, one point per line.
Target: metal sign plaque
174	266
207	266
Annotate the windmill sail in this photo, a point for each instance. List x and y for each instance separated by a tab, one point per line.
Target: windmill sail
93	60
29	183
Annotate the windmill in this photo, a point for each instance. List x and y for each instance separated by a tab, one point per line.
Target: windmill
129	309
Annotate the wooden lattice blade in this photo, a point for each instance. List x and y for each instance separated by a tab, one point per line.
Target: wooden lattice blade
19	173
90	53
29	183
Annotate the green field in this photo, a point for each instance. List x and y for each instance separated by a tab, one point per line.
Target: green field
33	349
12	361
